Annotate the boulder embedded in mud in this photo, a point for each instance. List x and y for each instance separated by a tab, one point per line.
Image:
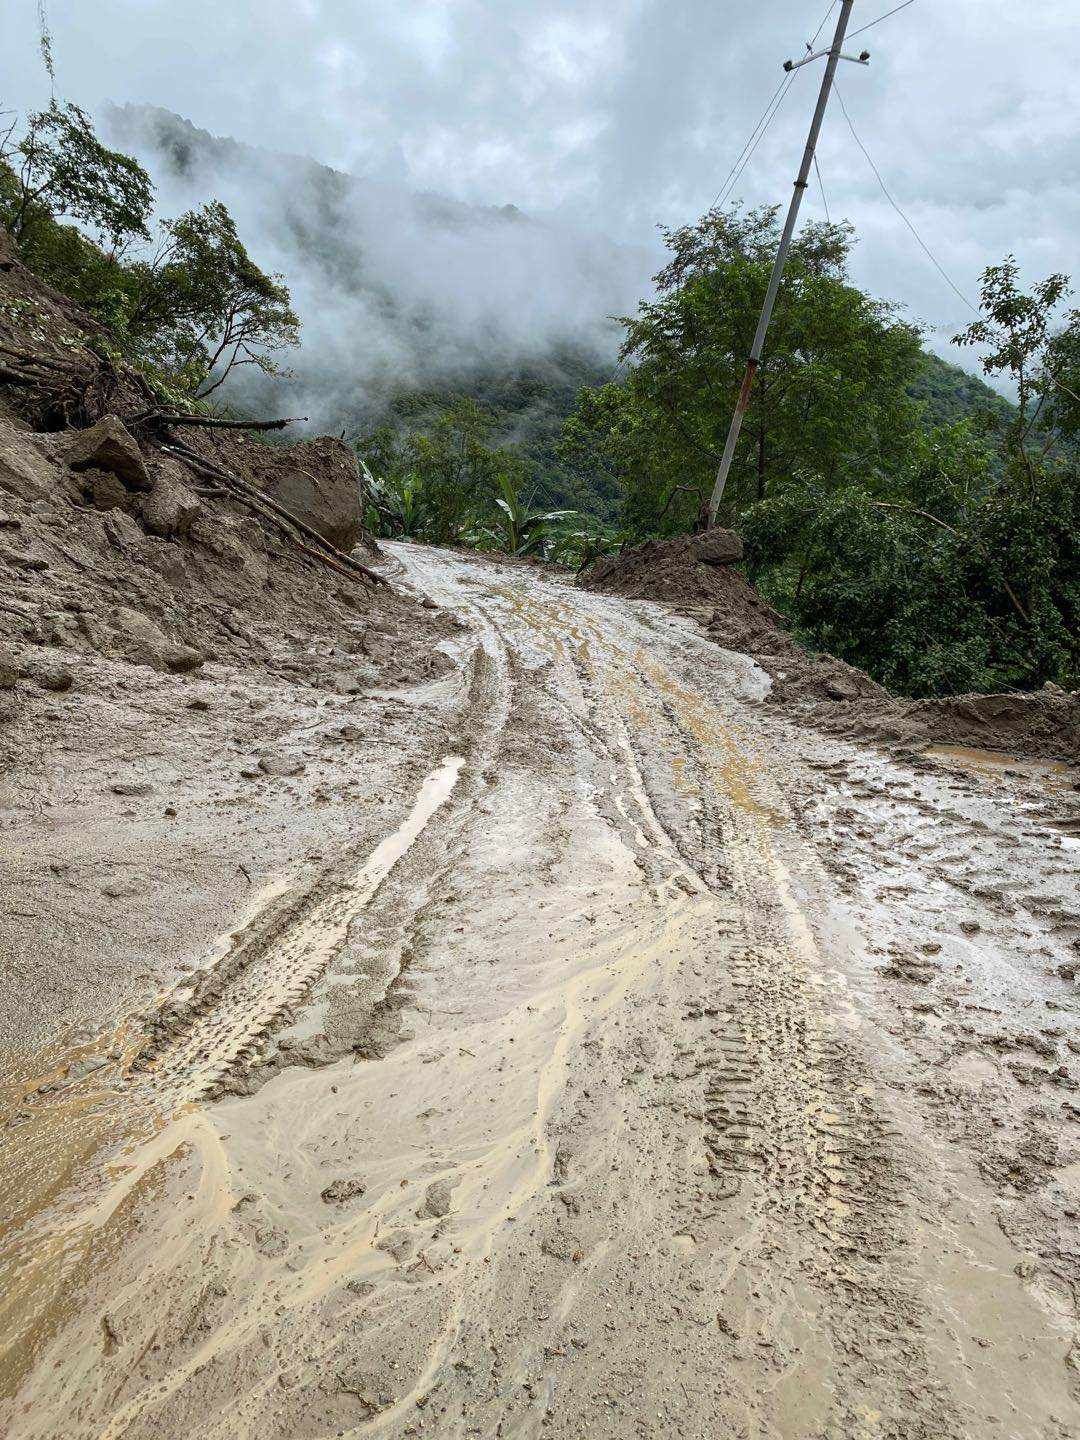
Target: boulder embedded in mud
718	547
52	675
319	482
136	639
109	445
171	508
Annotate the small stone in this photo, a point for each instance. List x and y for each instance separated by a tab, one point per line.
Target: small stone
54	677
341	1190
837	690
437	1199
280	765
133	787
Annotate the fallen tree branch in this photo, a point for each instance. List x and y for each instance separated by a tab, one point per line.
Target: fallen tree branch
285	519
913	510
208	422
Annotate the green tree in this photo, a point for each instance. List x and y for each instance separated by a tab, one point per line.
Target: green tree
522	529
59	169
830	396
443	474
1022	340
202	309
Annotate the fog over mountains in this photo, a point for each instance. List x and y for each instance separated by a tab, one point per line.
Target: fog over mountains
397	291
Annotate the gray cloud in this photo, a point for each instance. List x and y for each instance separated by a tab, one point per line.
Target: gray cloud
616	114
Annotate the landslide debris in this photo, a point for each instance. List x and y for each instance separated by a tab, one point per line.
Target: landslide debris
114	546
693	574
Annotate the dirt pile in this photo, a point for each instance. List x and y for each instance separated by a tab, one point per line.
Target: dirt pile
687	574
114	545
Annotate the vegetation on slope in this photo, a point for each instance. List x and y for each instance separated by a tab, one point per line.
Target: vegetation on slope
939	557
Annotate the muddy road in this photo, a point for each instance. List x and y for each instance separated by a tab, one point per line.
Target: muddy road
639	1065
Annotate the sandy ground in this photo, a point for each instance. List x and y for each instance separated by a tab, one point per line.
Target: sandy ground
587	1052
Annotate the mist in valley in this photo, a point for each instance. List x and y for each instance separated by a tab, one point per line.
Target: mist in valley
399	293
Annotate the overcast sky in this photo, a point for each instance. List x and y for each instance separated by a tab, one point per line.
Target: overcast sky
619	114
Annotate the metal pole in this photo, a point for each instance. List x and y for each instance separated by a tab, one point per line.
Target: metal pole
781	259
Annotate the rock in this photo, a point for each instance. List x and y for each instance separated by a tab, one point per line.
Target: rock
51	675
338	1191
319	482
198	703
718	547
838	690
280	765
428	603
107	492
109	445
123	534
136	639
8	522
24	470
19	560
133	787
170	508
9	676
437	1199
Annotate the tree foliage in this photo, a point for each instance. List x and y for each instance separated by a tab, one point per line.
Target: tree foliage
59	169
940	558
192	312
202	308
830	395
448	485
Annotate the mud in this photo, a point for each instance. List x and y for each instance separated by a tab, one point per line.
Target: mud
612	1055
819	689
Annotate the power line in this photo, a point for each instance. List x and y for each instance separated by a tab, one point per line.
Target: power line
741	169
766	118
821	183
879	19
885	190
785	81
1050	379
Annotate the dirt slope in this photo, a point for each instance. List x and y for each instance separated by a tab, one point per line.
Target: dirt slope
166	656
822	690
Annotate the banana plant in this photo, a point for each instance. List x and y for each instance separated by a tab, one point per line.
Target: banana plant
524	531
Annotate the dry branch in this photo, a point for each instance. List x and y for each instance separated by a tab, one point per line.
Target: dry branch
208	422
277	514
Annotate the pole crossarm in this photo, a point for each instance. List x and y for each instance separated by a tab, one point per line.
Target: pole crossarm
835	53
861	59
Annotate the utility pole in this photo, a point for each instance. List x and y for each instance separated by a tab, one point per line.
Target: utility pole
835	56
